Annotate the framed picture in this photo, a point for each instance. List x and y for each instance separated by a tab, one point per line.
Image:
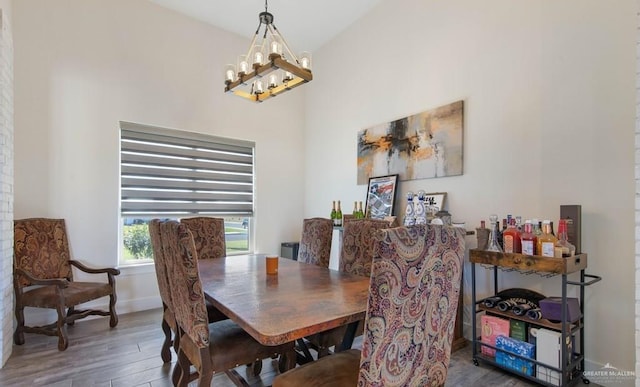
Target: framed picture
434	202
381	196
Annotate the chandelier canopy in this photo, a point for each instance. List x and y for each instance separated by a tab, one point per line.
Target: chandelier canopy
270	67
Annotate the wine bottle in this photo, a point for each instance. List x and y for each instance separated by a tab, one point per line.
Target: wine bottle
521	309
333	214
360	212
505	305
339	215
491	302
355	210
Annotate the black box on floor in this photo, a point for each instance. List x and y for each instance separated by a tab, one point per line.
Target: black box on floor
573	214
289	250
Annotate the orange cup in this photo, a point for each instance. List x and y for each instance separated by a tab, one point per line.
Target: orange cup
272	264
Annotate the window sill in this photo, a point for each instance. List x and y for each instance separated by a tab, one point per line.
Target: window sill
136	269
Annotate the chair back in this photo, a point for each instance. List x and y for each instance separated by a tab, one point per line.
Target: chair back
184	283
42	249
159	262
315	244
415	282
357	245
208	236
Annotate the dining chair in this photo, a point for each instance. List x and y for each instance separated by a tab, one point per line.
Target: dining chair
357	245
209	348
208	235
355	258
412	305
315	244
209	238
43	278
168	320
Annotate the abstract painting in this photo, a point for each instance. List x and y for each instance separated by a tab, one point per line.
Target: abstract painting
421	146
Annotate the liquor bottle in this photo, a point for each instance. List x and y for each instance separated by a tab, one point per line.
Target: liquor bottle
409	212
333	214
528	239
537	229
493	244
519	224
420	209
563	248
500	236
339	215
552	233
546	241
511	239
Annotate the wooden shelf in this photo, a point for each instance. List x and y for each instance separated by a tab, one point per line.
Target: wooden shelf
528	263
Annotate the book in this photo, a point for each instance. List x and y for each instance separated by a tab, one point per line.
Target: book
518	330
491	328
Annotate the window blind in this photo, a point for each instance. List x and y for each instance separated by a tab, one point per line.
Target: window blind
166	172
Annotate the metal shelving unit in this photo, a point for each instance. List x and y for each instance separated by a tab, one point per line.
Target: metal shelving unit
572	363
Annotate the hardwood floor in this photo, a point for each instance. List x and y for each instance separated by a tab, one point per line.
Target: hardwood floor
129	355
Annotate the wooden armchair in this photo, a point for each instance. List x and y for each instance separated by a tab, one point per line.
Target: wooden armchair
315	244
413	297
43	278
210	348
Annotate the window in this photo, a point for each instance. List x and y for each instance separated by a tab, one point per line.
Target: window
166	173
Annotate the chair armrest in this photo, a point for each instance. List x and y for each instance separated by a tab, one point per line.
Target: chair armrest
59	282
108	270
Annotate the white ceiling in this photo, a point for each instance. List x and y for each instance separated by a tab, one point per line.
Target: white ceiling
306	25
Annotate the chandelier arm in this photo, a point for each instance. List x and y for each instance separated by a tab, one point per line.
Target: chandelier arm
253	41
275	32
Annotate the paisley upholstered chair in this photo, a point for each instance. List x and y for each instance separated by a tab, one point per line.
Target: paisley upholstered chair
43	278
168	317
357	245
210	348
315	244
209	238
415	282
203	228
208	235
355	258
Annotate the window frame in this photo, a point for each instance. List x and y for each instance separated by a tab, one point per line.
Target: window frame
213	176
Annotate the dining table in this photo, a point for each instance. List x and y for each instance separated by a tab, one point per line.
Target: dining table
300	300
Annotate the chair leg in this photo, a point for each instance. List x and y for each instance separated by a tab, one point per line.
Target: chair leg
70	311
18	335
113	321
180	375
165	352
63	341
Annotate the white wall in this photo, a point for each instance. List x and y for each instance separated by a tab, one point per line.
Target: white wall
6	181
548	89
84	65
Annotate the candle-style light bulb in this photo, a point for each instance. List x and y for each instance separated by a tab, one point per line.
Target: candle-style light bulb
305	60
243	65
230	73
258	58
273	81
258	88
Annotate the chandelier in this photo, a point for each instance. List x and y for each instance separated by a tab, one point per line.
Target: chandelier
270	67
